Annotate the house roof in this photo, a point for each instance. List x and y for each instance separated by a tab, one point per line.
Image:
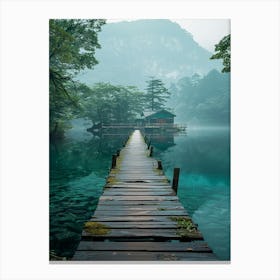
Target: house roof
148	114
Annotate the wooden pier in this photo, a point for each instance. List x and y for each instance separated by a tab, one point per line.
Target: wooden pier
139	216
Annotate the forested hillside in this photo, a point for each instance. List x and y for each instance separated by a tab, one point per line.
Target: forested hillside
201	100
133	51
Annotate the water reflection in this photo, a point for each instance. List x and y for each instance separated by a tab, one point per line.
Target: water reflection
161	142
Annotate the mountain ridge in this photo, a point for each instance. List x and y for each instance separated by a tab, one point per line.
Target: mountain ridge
133	51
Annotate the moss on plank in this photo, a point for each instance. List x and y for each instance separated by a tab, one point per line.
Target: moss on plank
96	228
185	226
112	180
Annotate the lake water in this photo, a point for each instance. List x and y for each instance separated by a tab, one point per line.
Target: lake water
80	164
203	156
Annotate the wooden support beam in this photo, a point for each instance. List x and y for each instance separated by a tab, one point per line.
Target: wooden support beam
159	165
118	152
151	151
125	141
176	174
114	161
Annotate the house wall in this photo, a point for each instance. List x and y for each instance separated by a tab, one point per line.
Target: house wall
161	120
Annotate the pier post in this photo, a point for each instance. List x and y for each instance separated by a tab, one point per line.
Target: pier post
159	165
114	161
176	173
151	151
118	153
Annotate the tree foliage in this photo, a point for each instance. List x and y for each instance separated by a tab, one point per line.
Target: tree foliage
156	94
107	103
222	50
72	45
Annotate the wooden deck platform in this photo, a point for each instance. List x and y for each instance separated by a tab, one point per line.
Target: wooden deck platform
139	217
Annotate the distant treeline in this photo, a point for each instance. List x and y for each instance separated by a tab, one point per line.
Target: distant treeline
106	103
202	100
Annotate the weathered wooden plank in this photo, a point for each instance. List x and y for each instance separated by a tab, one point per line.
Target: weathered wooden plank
132	218
192	246
134	190
143	233
143	181
135	207
138	176
99	213
142	256
140	184
143	198
143	225
138	171
142	160
139	202
138	187
134	193
145	164
144	177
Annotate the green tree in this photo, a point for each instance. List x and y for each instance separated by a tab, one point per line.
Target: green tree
222	50
156	94
108	103
72	45
127	103
98	103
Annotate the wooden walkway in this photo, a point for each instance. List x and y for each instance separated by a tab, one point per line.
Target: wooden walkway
139	217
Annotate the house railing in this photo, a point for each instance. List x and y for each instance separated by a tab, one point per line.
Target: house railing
138	125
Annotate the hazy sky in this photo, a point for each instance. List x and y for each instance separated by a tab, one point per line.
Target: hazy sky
207	32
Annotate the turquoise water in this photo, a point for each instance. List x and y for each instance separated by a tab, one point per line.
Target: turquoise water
80	164
203	156
78	170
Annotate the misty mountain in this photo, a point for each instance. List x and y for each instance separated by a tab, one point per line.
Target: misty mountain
132	51
202	100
